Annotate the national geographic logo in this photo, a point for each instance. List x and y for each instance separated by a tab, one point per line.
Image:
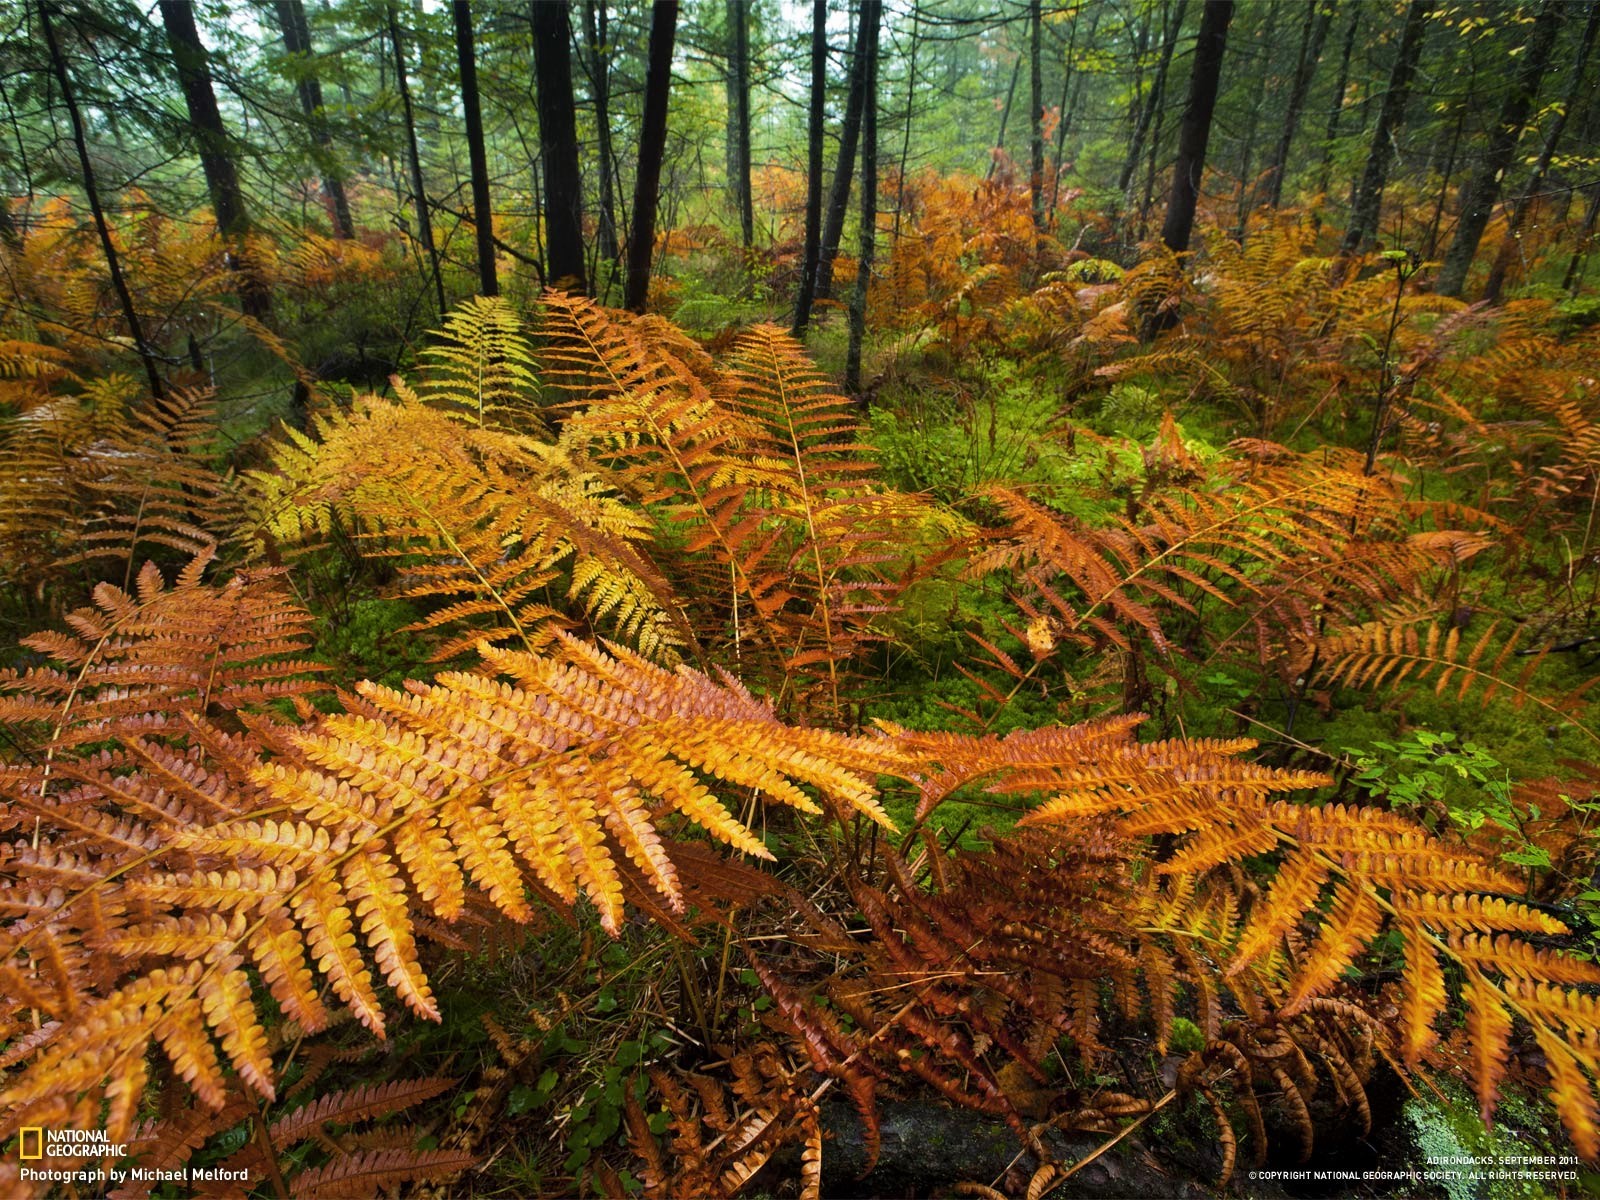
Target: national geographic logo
35	1142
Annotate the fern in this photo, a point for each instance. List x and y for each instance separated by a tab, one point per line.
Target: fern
481	367
480	518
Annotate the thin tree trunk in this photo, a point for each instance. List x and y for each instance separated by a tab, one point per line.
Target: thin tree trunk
652	148
814	131
1061	112
905	144
119	285
482	211
1248	148
1444	183
1580	250
1194	132
870	16
1005	118
558	144
297	40
1152	105
1336	109
1558	124
1368	196
594	15
1319	15
739	117
216	161
1036	114
849	135
419	191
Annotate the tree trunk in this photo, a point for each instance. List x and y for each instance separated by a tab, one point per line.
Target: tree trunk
849	135
814	131
1147	114
1194	132
594	16
1319	15
1005	118
1444	184
1336	109
130	315
1368	196
1483	189
482	211
1580	251
216	160
419	190
652	148
297	40
739	117
1558	124
905	144
870	15
1248	147
1036	115
558	145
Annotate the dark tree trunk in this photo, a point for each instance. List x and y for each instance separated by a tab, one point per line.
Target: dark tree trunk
1036	114
1368	196
216	159
1152	105
849	135
1319	15
1483	190
739	116
594	17
870	15
1336	109
814	131
1558	124
297	41
652	148
419	191
558	145
130	315
482	210
1194	132
1580	252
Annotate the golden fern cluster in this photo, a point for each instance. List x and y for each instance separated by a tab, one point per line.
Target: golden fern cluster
171	833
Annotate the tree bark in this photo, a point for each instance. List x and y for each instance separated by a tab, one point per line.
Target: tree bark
130	315
1483	190
594	16
1005	119
1368	196
849	135
1446	175
558	145
1194	132
652	148
739	116
297	41
1319	15
419	190
1036	113
870	15
1558	124
482	210
814	131
216	158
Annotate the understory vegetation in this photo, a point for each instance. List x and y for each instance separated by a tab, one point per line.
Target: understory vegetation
1119	709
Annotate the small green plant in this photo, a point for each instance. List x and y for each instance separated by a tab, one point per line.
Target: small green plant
1433	773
